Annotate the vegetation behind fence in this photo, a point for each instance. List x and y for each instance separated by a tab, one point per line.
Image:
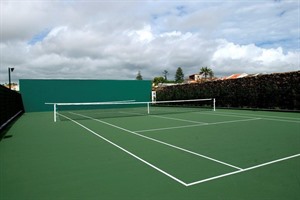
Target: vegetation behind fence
270	91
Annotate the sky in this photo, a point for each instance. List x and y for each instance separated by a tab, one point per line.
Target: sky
115	39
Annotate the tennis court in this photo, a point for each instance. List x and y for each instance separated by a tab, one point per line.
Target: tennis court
196	154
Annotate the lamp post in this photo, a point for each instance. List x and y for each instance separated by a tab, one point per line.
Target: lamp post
9	79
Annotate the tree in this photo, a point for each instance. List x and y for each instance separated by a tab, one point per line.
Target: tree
139	76
158	80
179	76
206	72
165	73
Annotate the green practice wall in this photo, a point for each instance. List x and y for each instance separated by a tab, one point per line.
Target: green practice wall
37	92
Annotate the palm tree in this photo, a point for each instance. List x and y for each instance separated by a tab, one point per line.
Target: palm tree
206	72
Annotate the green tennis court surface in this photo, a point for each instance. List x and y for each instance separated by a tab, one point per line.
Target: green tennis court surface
226	154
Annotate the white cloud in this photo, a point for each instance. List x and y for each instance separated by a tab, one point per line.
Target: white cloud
112	40
250	58
228	50
145	35
54	32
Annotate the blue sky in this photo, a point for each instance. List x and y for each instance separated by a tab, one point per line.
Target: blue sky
116	39
39	37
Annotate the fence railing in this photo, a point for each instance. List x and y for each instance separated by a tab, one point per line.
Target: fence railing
11	106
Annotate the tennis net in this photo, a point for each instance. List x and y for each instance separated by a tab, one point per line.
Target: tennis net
97	110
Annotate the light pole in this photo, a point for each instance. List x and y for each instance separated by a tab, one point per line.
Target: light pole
9	80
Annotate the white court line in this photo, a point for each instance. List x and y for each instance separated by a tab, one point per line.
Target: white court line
266	117
177	119
243	170
171	118
133	113
230	115
187	126
280	120
173	177
126	151
168	128
158	141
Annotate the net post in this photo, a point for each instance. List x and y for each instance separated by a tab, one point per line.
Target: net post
148	107
214	104
54	107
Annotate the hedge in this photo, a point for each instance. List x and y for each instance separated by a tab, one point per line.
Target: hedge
270	91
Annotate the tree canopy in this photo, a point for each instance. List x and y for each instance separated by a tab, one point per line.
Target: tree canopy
179	76
158	79
139	76
165	73
207	72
